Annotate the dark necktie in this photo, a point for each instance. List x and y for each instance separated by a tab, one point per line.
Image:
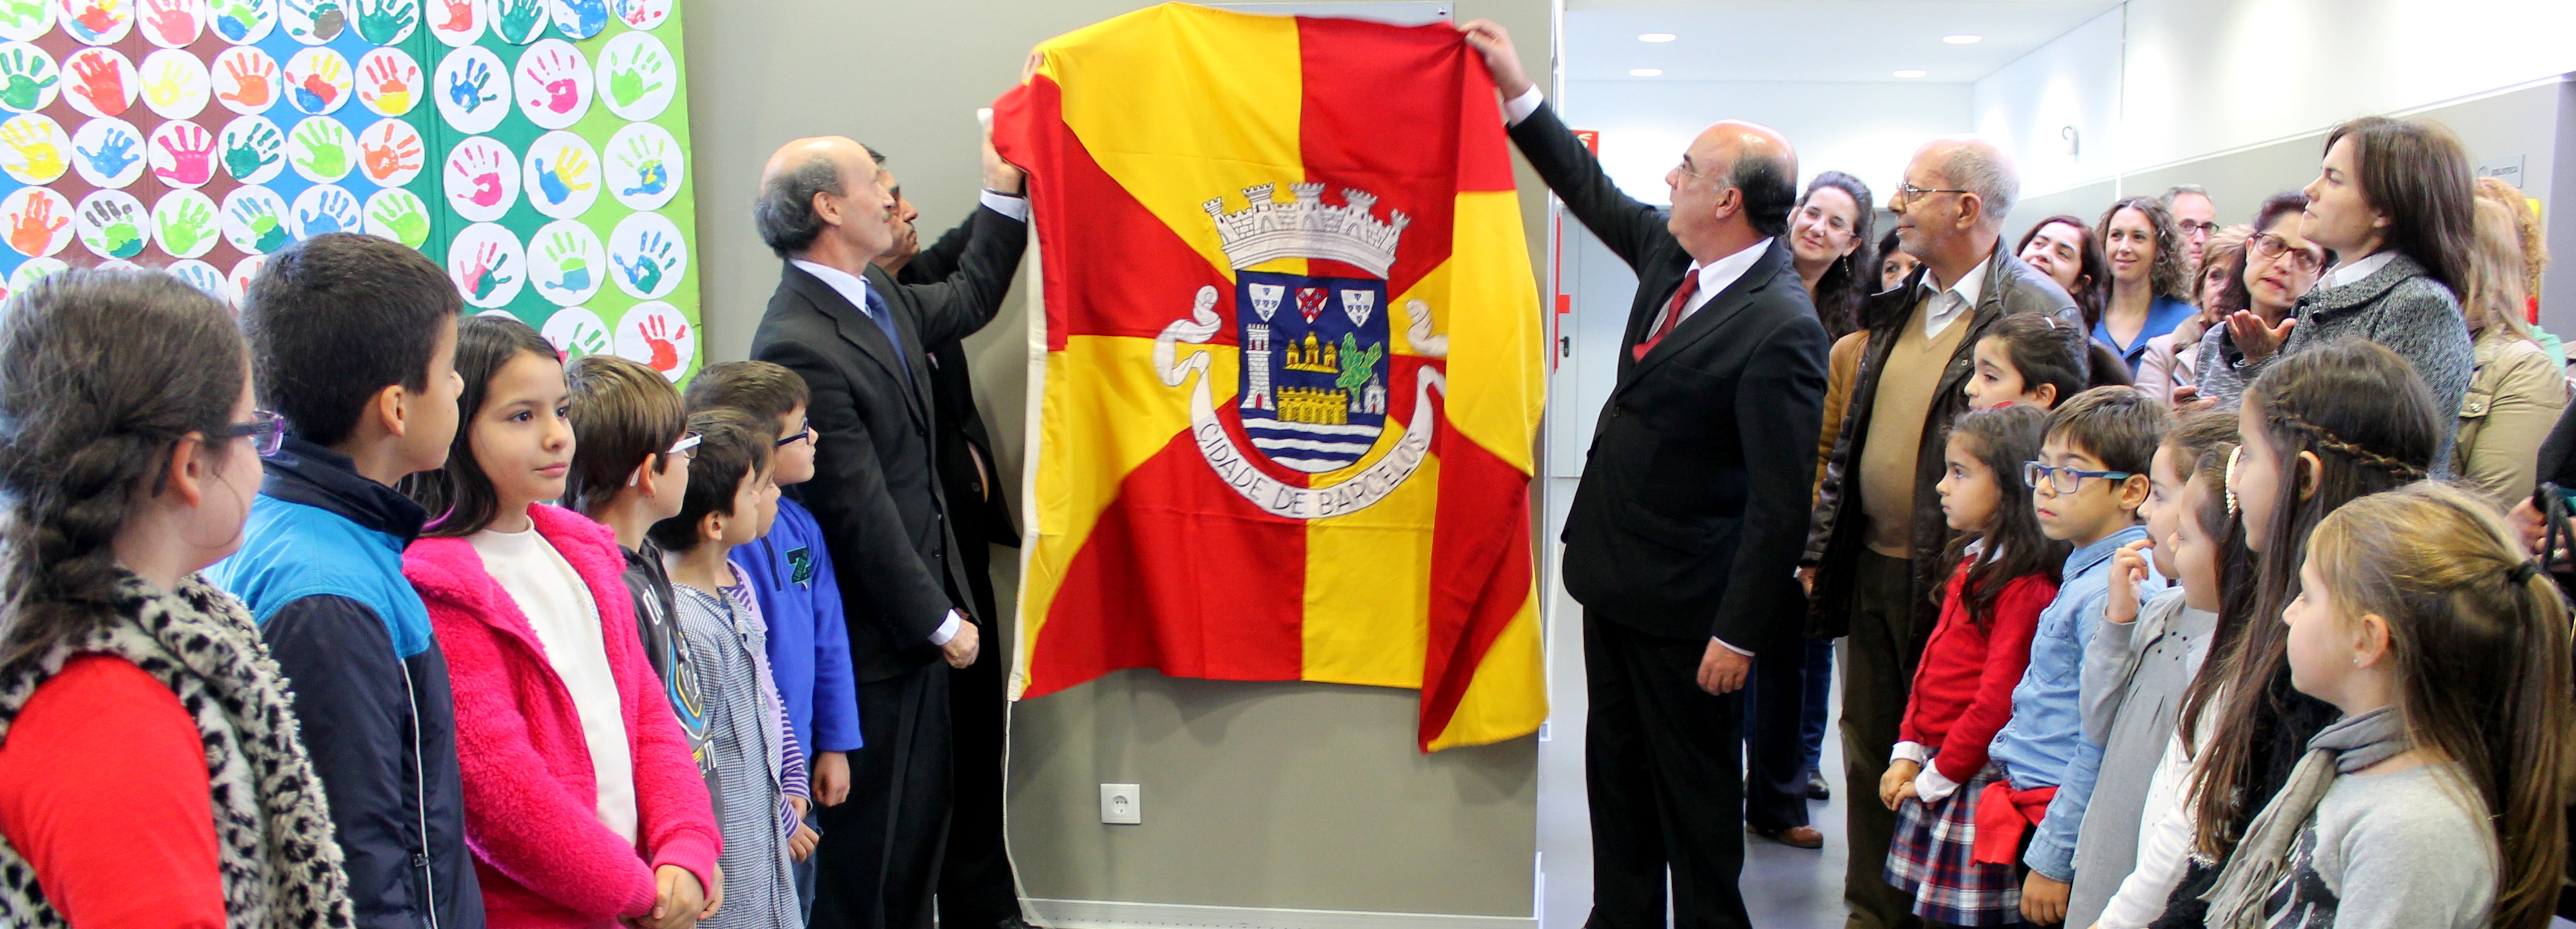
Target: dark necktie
1672	315
884	318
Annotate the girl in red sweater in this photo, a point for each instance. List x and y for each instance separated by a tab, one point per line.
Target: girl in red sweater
1963	684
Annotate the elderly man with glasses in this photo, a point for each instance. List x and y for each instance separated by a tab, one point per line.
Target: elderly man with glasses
1874	555
2196	218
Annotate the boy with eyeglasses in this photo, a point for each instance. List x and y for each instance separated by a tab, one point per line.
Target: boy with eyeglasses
790	574
2087	486
353	342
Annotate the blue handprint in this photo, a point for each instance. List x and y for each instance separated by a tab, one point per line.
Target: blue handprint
652	258
338	212
652	178
267	233
115	153
589	17
467	86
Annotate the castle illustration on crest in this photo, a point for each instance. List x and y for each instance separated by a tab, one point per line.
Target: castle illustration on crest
1313	392
1306	227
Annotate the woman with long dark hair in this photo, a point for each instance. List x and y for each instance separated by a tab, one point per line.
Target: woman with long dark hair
2066	250
1829	241
2150	276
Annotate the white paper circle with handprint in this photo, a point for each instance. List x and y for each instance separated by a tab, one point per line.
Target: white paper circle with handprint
108	152
33	148
254	220
641	14
322	150
387	22
95	22
171	23
457	23
656	334
488	265
400	215
324	208
577	332
24	20
112	224
175	83
568	261
184	224
472	88
29	80
517	22
561	174
389	153
389	82
647	256
205	277
314	22
318	81
182	154
643	165
36	269
553	83
578	19
247	80
37	221
100	82
242	22
481	178
636	76
253	149
243	271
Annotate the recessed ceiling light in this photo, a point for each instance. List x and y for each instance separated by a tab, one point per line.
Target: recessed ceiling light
1912	73
1645	72
1963	39
1657	37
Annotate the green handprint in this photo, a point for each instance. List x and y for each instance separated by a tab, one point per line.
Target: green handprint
180	233
329	158
246	154
123	240
242	14
403	216
381	21
626	82
21	13
22	90
268	233
519	19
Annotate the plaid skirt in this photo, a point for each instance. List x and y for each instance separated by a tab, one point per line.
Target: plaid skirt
1930	859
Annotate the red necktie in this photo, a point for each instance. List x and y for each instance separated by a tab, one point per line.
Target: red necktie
1672	315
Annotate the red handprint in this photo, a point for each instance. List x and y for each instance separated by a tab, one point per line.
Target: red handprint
404	154
460	16
97	18
250	75
659	337
32	231
190	149
486	260
100	82
171	20
322	87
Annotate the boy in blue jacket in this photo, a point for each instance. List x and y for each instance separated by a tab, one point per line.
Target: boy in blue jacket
353	340
791	576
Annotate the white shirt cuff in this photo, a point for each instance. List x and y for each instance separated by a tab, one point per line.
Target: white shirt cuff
1909	751
948	628
1932	786
1520	107
1730	646
1007	205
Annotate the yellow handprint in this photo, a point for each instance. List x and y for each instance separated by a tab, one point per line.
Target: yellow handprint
40	159
164	86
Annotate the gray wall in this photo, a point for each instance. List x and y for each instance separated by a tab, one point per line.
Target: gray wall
1267	795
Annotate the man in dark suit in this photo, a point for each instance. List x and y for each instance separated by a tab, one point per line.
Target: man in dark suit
1683	540
976	886
858	344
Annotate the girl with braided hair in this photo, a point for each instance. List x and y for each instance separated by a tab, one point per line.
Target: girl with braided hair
151	773
2319	429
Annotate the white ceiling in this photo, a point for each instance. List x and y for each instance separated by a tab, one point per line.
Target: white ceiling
1810	40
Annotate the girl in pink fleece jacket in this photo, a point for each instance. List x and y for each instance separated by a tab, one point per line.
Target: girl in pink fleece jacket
582	805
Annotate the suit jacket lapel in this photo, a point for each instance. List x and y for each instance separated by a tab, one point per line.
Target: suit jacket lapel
857	329
1714	314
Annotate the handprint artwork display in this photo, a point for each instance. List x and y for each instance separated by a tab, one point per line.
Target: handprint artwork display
182	154
247	80
641	14
321	150
387	22
95	22
171	23
648	254
242	22
390	153
175	83
318	81
108	153
469	85
481	179
203	276
518	21
636	76
325	208
24	20
37	221
32	148
457	23
112	224
313	22
254	220
100	82
254	149
184	224
29	80
562	175
488	264
243	271
388	82
578	19
576	332
655	334
400	215
553	81
568	263
644	166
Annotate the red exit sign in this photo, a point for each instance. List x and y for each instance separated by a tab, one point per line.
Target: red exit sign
1591	140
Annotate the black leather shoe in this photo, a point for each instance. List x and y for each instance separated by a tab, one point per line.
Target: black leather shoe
1817	789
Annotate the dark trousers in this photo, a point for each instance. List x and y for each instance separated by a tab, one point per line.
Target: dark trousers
1775	747
1820	700
1878	674
878	863
1661	770
976	888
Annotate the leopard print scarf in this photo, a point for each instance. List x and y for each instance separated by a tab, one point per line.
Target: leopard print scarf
273	835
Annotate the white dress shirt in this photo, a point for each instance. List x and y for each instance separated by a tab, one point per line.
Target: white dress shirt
1719	275
1948	305
2353	272
1520	107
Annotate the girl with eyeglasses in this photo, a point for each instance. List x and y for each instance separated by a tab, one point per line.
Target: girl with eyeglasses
151	773
2276	267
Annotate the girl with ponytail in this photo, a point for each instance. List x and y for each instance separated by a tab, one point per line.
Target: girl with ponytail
151	774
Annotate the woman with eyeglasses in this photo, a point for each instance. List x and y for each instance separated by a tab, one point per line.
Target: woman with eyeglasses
2173	358
2276	267
151	773
2517	389
2149	274
2066	250
2392	198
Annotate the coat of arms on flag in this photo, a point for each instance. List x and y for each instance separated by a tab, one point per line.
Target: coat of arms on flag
1291	368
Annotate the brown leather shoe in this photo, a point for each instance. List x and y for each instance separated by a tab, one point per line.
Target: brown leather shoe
1795	836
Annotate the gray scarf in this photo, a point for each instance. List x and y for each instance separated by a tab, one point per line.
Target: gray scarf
2354	744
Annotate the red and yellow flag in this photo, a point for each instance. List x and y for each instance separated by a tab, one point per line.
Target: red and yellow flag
1291	372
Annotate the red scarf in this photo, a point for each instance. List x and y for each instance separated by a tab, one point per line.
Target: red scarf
2004	815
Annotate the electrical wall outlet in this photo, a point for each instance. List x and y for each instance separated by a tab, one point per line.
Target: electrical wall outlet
1122	804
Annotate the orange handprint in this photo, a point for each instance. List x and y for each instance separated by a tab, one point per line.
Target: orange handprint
659	337
252	76
33	231
460	16
395	155
100	82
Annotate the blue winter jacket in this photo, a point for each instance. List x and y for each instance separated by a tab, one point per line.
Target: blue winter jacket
809	641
